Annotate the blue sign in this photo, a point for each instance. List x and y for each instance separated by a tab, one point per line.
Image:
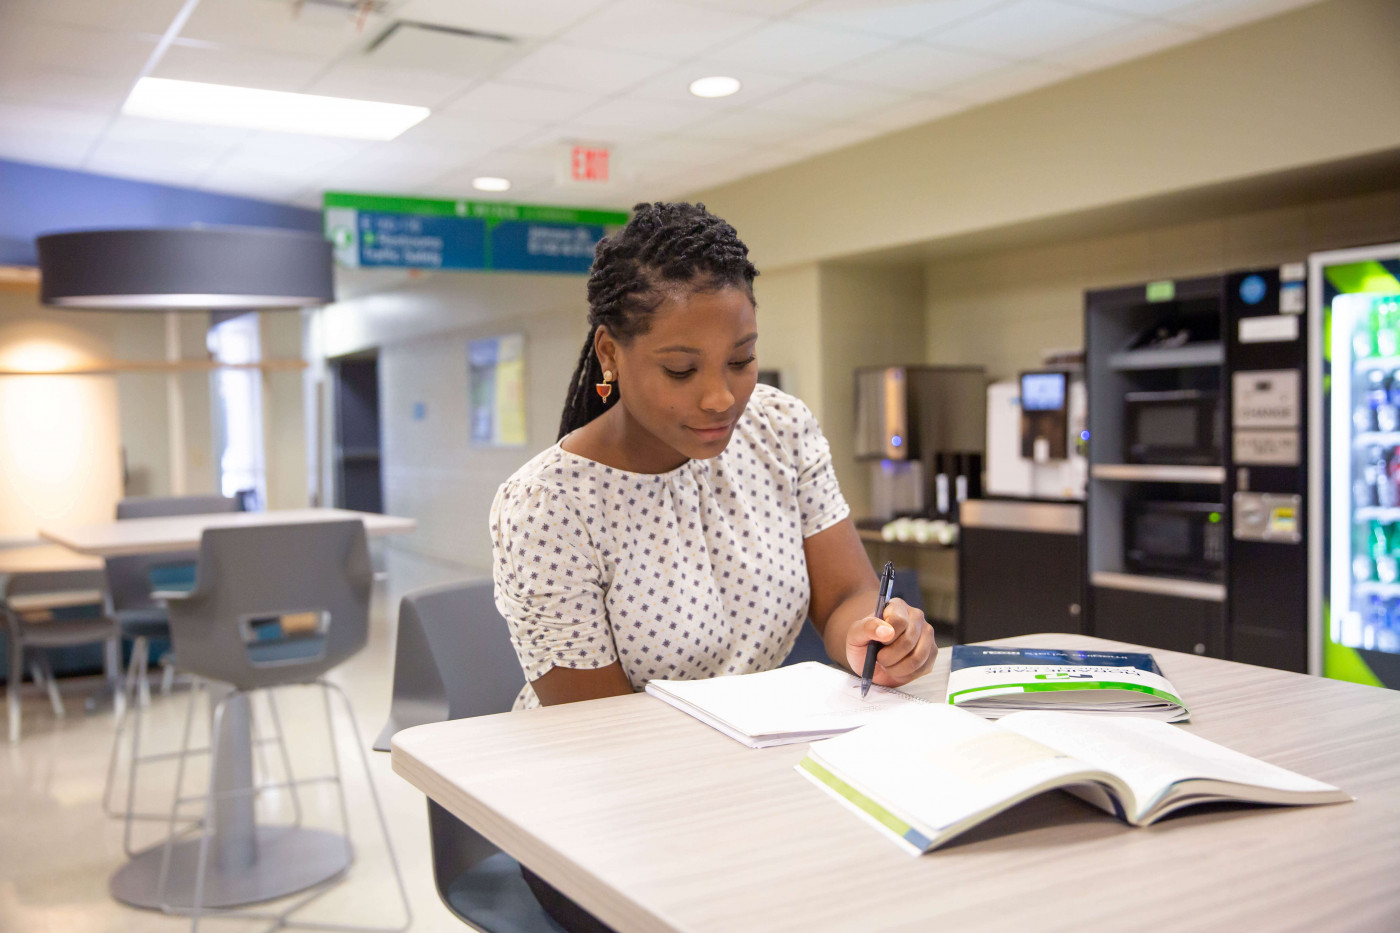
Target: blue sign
536	247
421	242
1253	289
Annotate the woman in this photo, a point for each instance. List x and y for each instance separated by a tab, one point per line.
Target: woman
689	520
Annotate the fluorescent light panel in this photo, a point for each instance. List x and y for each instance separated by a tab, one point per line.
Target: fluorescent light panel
275	111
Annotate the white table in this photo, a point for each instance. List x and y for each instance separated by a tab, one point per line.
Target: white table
656	822
182	532
44	558
250	863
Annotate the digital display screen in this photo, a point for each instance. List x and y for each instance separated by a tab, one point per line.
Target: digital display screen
1043	391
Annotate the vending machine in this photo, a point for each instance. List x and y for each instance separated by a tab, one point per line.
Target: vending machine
1354	401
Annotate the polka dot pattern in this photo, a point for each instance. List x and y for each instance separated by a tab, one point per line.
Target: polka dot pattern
681	575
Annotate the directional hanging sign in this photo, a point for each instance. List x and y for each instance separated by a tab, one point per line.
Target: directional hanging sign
370	230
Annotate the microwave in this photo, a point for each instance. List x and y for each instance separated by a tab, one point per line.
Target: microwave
1177	427
1185	539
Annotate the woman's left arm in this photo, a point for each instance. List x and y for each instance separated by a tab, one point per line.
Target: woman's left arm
844	590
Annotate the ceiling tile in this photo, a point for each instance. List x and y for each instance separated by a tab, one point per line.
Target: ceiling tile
308	29
1216	15
75	49
148	163
753	127
679	151
175	153
1030	28
49	135
756	7
475	135
660	27
901	20
1147	8
51	87
246	181
363	81
920	67
832	138
414	48
1133	41
797	49
391	167
657	116
535	19
674	85
293	155
271	71
520	102
913	112
575	68
148	16
1009	81
830	101
189	137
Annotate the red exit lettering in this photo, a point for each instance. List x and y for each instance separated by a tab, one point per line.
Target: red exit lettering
588	164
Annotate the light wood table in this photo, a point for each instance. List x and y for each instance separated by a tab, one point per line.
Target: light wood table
44	558
246	869
654	821
182	532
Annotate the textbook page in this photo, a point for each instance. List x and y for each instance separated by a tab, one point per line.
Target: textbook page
926	773
789	704
1163	765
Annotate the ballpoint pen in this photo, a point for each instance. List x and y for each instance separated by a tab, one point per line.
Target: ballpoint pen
873	648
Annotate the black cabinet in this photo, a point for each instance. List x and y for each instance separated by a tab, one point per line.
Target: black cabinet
1174	623
1020	569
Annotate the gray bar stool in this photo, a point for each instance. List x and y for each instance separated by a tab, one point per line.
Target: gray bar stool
273	606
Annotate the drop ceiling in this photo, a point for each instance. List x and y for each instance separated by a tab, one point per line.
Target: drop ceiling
509	80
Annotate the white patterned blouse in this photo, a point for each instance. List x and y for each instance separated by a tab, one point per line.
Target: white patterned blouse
683	575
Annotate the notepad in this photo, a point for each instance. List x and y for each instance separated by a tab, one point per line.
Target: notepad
799	703
923	775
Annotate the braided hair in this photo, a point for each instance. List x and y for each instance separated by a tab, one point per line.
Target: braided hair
663	245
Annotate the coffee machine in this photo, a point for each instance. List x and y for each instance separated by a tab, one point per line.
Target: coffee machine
922	429
1037	436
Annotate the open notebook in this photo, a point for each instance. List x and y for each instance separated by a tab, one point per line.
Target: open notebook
926	774
799	703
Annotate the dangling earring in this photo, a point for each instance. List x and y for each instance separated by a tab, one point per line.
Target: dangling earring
605	388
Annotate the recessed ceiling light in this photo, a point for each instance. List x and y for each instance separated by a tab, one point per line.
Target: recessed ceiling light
717	86
490	183
277	111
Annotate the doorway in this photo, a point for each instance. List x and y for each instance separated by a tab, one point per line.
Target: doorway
359	483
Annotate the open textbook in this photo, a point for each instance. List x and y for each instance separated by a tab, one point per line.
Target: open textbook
926	773
799	703
993	681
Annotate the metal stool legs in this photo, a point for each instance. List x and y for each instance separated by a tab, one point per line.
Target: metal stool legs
197	909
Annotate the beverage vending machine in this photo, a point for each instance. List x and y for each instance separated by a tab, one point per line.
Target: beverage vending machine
1354	572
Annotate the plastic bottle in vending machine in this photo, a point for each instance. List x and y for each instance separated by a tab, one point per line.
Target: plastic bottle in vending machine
1387	343
1363	339
1387	414
1362	570
1386	496
1382	558
1378	402
1363	489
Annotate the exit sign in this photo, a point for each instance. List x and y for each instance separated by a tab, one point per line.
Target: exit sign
586	165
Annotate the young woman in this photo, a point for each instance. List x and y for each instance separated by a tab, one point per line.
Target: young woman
688	521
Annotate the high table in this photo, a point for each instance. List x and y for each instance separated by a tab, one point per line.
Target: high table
248	863
654	821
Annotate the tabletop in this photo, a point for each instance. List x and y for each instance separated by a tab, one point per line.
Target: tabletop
656	822
43	558
182	532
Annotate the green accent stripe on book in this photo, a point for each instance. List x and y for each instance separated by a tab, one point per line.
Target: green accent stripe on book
1046	688
867	806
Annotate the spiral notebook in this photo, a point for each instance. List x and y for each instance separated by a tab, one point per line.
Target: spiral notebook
799	703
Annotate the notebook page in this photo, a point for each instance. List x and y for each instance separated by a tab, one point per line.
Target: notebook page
1151	756
807	697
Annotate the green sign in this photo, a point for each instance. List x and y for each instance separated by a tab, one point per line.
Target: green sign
1164	290
371	230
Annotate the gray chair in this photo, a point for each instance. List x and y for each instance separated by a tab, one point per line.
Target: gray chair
453	659
55	609
272	606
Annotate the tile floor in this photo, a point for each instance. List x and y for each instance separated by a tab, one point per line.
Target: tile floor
57	849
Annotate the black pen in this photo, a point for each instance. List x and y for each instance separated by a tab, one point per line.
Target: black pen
873	648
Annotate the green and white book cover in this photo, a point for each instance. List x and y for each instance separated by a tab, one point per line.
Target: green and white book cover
995	681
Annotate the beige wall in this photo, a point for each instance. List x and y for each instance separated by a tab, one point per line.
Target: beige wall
284	413
1312	86
790	331
1003	308
421	325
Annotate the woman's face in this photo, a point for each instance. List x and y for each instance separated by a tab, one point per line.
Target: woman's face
687	380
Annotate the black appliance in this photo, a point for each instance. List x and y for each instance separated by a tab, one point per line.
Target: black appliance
1184	539
1182	426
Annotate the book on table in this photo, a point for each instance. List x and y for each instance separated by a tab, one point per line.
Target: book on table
926	773
799	703
993	681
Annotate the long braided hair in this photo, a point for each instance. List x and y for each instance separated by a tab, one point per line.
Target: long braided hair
663	246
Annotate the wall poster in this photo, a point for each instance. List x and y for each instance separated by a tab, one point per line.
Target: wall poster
496	374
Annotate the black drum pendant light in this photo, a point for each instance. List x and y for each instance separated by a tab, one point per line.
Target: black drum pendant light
186	268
